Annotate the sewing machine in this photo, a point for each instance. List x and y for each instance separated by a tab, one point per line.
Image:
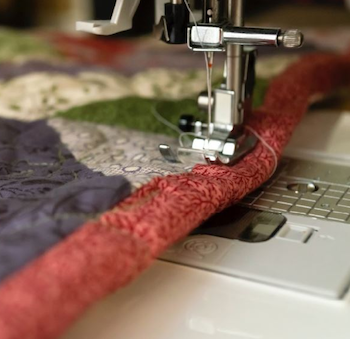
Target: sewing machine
276	266
222	139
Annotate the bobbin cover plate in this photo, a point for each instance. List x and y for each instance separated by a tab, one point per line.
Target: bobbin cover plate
310	259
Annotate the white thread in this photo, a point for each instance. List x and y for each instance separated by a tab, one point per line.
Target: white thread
185	134
209	57
164	121
264	142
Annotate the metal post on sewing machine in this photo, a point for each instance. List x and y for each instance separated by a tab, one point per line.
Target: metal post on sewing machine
234	63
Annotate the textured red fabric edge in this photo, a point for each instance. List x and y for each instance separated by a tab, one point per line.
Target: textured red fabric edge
44	298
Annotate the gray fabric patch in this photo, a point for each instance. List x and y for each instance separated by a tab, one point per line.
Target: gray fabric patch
114	150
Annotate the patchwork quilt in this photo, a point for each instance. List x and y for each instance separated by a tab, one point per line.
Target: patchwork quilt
86	200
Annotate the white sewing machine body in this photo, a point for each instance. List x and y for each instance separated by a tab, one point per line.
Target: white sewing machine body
173	301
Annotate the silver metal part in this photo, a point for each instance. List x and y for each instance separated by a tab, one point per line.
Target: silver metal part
231	102
215	150
161	30
168	153
216	38
206	38
302	187
223	103
222	30
308	188
251	36
234	60
203	101
291	39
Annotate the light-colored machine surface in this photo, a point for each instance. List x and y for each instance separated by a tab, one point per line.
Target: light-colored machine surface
277	266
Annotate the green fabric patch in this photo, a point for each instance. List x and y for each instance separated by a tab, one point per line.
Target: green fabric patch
18	43
135	113
138	113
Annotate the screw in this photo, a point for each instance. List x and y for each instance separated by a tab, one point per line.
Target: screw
292	38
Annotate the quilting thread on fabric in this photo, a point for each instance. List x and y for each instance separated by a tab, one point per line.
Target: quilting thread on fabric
178	204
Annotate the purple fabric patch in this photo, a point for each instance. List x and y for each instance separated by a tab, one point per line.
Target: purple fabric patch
45	194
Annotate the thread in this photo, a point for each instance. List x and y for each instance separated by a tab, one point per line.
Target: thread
170	125
209	61
186	134
264	142
164	121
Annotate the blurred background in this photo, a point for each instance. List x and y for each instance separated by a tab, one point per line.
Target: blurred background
62	14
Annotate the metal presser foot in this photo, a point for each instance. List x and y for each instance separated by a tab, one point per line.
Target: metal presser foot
223	140
211	151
